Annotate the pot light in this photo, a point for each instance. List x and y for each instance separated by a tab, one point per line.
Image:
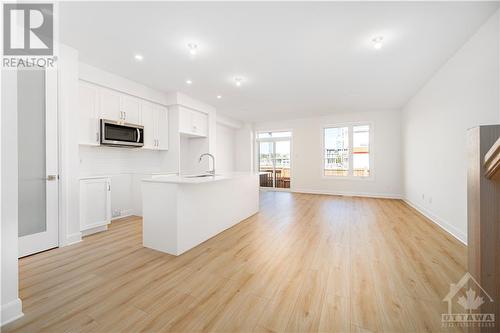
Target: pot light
189	82
193	48
238	81
219	96
377	42
138	57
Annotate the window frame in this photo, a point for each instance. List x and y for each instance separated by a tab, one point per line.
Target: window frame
349	126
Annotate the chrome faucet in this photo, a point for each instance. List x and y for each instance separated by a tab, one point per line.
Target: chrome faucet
212	172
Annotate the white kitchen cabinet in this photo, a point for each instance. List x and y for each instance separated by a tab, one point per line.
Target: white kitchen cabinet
110	104
155	122
148	121
131	109
88	113
193	123
162	127
95	203
97	103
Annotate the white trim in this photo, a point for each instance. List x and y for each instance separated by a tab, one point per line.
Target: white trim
124	213
94	230
72	239
350	194
12	311
462	237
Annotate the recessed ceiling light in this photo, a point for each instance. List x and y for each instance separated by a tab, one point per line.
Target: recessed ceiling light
189	82
193	48
219	96
377	42
238	80
138	57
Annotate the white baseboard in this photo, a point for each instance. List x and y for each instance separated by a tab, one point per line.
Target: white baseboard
94	230
12	311
124	213
462	237
350	194
73	239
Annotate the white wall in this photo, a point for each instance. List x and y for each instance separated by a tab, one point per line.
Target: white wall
11	307
244	148
307	155
464	93
225	148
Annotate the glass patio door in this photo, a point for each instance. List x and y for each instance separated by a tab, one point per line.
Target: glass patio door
274	159
37	161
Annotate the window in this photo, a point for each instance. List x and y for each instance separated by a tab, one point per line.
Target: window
347	151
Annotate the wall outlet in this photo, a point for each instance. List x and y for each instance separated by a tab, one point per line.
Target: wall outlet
116	212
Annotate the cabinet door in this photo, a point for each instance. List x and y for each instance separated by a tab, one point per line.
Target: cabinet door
162	127
185	121
131	109
199	123
88	100
110	104
95	203
149	123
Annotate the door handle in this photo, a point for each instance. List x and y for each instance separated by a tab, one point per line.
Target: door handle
52	177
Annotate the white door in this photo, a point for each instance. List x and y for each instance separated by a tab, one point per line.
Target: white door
37	161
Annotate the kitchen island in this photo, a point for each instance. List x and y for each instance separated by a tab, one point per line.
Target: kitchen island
180	212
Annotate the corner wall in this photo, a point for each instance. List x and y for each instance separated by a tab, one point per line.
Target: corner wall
464	93
11	307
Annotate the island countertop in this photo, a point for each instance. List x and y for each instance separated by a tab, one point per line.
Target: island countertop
193	179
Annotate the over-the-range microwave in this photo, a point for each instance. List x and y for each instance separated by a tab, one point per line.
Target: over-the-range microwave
118	134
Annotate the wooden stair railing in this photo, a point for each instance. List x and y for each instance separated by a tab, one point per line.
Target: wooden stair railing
492	161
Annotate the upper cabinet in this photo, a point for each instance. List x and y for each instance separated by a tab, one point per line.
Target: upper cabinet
131	108
155	118
88	113
97	103
193	123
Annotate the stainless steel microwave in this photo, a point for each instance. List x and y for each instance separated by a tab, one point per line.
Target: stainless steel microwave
118	134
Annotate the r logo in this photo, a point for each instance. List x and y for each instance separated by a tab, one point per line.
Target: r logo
28	29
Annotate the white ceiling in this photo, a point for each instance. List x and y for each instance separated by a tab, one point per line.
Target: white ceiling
299	59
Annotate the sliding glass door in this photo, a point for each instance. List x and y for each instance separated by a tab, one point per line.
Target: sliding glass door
274	159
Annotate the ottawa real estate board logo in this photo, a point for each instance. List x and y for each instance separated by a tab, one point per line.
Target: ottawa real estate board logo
469	295
28	37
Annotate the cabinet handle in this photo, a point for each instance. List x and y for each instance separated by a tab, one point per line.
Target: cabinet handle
158	145
109	187
124	115
96	136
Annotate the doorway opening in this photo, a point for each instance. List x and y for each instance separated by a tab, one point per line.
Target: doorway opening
274	159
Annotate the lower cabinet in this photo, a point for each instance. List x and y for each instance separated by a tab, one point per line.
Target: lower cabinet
95	204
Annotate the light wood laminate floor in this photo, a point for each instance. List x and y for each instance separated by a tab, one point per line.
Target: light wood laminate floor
305	263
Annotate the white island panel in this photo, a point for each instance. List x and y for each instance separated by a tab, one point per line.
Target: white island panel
179	213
